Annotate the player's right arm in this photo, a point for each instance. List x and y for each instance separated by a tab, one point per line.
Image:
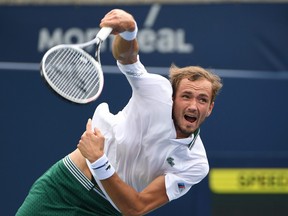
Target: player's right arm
127	199
124	51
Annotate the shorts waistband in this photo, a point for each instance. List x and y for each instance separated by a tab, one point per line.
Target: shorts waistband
81	178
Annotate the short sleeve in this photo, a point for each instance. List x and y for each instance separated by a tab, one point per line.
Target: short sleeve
135	70
175	186
188	168
150	87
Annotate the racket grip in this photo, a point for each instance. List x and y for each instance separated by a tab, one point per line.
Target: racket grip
104	33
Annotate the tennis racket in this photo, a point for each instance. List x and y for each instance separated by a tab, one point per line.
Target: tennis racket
72	72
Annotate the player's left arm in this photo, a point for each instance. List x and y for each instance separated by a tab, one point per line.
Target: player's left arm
130	202
127	199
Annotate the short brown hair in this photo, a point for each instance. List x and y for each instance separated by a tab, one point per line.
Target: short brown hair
193	73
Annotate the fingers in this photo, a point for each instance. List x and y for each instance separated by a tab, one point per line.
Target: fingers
91	143
119	20
97	132
89	125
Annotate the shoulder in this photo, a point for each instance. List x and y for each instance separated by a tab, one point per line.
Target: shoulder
191	164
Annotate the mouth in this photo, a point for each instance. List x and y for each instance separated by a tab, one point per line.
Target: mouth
190	118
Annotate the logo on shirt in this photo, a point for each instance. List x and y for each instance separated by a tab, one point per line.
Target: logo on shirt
170	161
107	168
181	187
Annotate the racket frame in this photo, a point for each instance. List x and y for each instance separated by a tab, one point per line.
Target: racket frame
100	37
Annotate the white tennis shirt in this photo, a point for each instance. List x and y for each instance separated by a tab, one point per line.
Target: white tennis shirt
140	140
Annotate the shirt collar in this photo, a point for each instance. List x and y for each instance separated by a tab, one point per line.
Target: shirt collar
189	140
183	141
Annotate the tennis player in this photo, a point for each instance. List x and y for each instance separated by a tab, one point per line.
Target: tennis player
145	156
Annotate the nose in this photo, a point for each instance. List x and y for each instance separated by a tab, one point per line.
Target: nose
192	106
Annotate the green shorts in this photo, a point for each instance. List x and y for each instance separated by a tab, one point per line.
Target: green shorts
65	191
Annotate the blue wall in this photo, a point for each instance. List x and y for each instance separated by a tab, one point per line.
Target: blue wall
246	44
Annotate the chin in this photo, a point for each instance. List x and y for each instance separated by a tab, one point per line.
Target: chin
191	129
187	131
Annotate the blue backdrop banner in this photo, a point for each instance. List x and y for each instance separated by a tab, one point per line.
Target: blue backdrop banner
246	44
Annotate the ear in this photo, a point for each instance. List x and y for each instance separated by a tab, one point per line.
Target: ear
210	109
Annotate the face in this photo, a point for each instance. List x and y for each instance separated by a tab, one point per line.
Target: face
192	104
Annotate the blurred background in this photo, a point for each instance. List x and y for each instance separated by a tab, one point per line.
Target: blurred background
246	139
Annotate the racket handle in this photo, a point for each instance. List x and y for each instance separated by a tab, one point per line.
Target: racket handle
104	33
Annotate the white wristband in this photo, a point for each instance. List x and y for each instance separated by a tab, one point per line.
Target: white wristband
127	35
101	168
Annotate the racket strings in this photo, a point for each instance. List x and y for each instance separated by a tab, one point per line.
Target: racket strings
55	65
78	75
72	73
62	68
65	67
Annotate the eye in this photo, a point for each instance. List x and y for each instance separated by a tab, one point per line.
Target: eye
185	96
203	100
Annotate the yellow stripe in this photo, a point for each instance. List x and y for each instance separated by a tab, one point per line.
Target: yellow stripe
250	181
